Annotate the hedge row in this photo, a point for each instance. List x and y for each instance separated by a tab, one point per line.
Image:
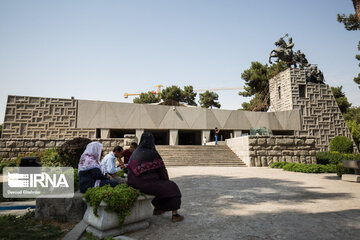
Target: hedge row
305	168
313	168
335	157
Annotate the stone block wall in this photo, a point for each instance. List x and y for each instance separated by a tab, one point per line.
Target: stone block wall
42	118
261	151
320	115
12	148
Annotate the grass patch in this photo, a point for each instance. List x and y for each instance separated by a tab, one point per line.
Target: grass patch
26	227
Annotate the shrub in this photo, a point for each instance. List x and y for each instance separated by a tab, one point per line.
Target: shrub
76	180
341	144
119	199
27	227
8	163
70	152
340	170
310	168
49	157
278	164
120	173
335	157
305	168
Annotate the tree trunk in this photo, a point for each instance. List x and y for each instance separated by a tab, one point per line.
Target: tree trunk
357	8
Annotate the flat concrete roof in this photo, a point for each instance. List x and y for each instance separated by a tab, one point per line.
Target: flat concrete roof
115	115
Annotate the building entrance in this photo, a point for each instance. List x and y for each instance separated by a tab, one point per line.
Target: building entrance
189	137
223	134
119	133
161	136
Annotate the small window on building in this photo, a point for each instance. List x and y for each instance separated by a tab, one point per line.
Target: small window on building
302	91
98	133
279	92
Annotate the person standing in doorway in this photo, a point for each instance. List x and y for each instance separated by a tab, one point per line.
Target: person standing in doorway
204	141
216	135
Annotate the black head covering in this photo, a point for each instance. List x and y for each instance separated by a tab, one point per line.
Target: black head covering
145	157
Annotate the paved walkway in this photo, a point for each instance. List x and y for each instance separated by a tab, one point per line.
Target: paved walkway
259	203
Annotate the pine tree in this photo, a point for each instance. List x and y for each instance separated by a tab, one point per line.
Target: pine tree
352	23
341	99
148	97
209	99
257	84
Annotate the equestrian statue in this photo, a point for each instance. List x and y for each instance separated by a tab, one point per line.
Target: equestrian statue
284	52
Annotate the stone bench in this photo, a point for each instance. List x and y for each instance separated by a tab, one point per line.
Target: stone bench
354	164
107	223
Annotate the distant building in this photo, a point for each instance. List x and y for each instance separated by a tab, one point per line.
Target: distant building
297	108
41	118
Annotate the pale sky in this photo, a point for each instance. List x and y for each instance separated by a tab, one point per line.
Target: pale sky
98	50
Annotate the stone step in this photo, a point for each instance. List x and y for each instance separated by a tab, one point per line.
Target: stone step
190	155
205	164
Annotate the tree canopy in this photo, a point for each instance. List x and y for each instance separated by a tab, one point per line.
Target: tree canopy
148	97
209	99
170	95
341	99
352	23
353	114
188	95
352	117
257	84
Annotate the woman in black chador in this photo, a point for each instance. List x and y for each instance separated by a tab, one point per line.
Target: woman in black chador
148	173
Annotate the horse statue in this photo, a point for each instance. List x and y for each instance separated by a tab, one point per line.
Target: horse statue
284	52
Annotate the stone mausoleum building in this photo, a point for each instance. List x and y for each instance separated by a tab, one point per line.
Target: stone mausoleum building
299	108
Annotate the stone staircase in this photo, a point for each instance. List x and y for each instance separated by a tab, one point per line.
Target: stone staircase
193	155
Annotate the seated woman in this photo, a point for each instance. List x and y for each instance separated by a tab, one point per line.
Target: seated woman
147	172
91	172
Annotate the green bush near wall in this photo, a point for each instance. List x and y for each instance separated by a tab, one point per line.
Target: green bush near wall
278	164
334	157
310	168
341	144
49	157
70	152
305	168
340	170
7	163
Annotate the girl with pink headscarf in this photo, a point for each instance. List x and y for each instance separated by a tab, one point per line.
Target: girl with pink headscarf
91	172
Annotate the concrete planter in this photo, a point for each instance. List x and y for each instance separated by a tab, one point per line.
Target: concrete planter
107	224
